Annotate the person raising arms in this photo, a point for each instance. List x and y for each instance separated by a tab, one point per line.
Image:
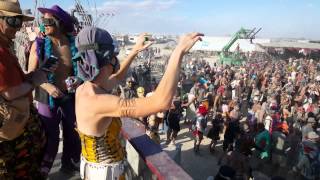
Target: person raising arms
98	112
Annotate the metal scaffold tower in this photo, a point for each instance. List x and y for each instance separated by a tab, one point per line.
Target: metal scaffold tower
36	13
83	16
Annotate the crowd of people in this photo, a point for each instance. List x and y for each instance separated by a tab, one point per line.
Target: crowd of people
266	113
263	112
72	78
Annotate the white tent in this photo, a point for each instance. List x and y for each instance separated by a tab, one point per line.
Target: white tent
217	44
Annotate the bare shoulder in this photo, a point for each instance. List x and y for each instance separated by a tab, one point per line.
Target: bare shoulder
85	92
88	97
84	101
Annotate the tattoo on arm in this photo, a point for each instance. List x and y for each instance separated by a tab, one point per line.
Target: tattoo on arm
127	107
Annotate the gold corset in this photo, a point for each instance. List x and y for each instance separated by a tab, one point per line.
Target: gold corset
103	149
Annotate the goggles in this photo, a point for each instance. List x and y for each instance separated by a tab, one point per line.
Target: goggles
103	52
13	21
49	22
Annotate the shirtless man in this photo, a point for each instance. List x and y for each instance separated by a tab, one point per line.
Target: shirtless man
55	99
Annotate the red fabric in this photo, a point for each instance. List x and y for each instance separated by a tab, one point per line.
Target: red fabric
284	127
196	132
11	74
307	149
220	90
310	108
202	110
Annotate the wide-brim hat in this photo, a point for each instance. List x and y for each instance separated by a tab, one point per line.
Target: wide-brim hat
12	8
62	15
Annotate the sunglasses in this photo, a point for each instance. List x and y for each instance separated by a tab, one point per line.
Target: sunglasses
49	22
13	21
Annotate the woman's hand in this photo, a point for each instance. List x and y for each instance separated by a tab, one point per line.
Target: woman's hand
144	41
39	76
54	91
187	41
73	83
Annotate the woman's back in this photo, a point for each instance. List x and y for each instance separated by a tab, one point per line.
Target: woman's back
106	148
100	136
88	121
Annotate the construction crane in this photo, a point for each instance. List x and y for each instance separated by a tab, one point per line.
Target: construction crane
228	58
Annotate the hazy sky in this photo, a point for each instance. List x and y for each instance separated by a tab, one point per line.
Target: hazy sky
278	18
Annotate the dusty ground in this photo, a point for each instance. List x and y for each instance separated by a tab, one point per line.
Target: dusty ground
201	166
198	166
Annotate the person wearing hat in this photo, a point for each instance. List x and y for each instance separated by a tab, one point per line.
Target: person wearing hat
200	125
55	99
98	112
21	139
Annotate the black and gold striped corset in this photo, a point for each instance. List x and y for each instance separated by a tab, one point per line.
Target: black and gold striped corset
103	149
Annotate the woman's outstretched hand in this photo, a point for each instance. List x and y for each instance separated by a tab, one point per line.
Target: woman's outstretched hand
187	41
143	42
